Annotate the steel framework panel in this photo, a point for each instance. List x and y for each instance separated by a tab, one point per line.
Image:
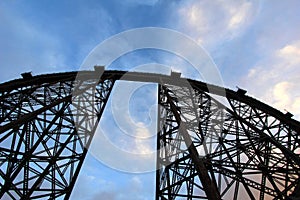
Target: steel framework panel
247	153
207	148
44	135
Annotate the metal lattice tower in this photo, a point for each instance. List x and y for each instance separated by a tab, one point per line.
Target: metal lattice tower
206	149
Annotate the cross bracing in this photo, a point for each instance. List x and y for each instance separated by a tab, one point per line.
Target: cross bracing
206	149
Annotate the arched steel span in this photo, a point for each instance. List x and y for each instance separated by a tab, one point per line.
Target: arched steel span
206	150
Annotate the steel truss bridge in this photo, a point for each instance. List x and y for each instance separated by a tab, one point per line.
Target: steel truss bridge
207	149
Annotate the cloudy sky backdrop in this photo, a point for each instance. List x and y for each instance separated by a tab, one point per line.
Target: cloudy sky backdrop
254	43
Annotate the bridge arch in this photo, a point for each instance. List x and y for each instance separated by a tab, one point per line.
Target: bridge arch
205	149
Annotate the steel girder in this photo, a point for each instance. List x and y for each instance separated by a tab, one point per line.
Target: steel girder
206	149
44	135
246	153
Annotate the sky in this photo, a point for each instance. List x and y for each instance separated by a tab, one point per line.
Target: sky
254	44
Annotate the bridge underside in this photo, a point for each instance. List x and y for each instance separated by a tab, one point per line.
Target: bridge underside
238	152
207	149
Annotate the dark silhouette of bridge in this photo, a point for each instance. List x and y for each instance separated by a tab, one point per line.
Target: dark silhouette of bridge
205	149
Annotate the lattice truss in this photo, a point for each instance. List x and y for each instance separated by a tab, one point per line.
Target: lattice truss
45	130
244	152
207	149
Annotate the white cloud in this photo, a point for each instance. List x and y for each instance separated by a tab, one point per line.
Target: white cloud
142	143
290	54
239	14
275	79
90	176
211	22
109	184
132	189
120	144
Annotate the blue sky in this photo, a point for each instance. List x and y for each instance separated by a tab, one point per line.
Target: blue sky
255	45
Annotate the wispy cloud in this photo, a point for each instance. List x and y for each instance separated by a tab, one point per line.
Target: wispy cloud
100	182
275	79
212	22
126	137
133	189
